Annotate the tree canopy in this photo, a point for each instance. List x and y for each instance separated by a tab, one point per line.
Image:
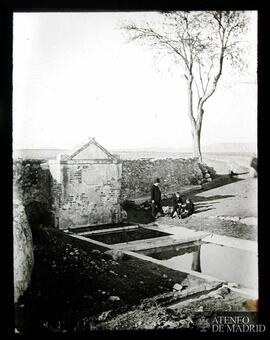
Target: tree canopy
201	41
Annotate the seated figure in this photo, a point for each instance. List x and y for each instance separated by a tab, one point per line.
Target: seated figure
177	204
187	208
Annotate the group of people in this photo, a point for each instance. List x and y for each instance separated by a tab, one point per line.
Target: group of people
180	208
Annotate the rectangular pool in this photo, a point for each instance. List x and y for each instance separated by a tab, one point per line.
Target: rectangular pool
124	236
223	262
83	229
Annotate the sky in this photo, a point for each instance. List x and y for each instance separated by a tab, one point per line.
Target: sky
75	76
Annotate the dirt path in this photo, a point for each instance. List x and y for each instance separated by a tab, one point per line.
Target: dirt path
230	210
235	199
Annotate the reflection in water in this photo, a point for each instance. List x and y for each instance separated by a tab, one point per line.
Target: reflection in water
225	263
196	262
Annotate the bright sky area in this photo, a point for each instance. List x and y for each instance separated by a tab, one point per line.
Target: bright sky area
75	76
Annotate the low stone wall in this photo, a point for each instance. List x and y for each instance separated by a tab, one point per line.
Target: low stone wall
40	192
138	175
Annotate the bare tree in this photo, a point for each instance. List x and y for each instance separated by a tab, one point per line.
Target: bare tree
200	41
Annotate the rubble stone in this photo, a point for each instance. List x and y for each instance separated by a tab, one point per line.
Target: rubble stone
23	249
177	287
115	254
138	175
114	298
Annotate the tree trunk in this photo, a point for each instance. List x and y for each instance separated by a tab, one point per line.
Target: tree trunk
196	124
196	135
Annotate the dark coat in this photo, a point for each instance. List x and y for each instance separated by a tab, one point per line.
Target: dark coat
190	207
177	200
155	193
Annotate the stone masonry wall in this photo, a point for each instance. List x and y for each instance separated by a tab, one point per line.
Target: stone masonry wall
23	255
83	193
88	193
138	175
32	180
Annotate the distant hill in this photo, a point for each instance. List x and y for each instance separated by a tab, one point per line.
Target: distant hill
154	149
230	148
212	148
37	153
149	152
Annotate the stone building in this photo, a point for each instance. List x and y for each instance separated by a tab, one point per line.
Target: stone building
86	187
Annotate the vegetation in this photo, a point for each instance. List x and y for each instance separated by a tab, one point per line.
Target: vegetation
200	42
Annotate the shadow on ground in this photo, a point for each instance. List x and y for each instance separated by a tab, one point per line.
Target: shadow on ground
135	214
210	198
138	214
220	180
142	213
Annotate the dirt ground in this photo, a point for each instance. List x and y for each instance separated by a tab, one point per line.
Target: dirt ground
71	283
185	318
74	289
77	289
229	209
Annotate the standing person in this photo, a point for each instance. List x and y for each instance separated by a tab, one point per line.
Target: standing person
177	204
156	199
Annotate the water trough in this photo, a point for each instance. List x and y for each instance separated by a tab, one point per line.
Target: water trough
208	256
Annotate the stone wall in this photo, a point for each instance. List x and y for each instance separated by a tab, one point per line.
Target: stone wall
23	256
90	192
32	179
138	175
31	207
86	192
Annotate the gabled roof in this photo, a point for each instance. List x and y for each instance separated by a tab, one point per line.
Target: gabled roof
90	149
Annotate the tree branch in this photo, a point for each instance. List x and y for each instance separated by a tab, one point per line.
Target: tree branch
200	74
198	91
150	33
216	78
